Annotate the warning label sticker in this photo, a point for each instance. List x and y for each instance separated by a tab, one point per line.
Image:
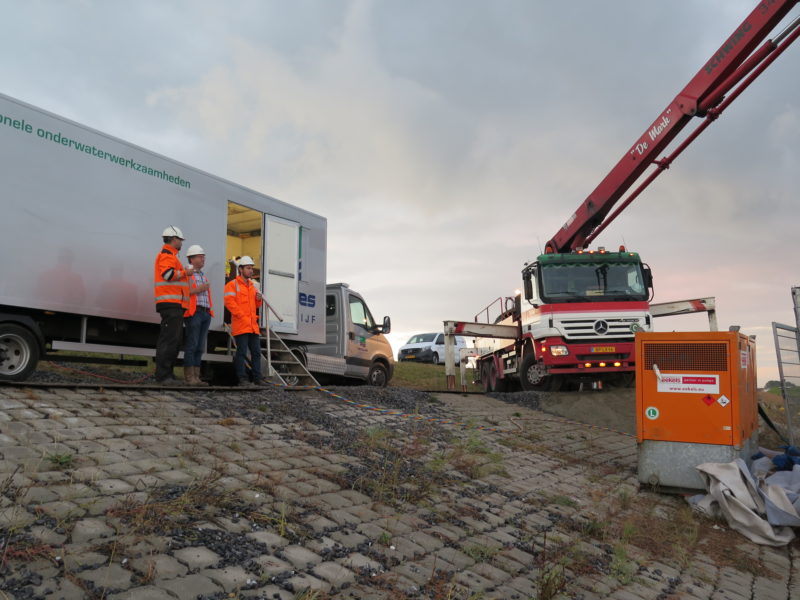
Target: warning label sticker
688	384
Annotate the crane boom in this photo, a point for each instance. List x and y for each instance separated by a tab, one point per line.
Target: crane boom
736	63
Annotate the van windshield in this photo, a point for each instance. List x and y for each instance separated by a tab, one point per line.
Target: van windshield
421	338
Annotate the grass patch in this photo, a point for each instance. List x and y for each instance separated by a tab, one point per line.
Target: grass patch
422	376
61	461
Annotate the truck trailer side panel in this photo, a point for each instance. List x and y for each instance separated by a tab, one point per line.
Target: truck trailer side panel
82	215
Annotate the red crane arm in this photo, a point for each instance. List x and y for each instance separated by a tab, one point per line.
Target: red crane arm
726	68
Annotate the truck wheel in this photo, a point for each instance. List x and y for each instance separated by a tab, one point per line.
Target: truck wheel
19	352
378	375
533	375
435	358
485	377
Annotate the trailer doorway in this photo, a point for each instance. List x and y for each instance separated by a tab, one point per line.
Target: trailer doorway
244	238
274	245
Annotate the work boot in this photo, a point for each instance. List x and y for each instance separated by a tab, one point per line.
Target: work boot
196	377
187	375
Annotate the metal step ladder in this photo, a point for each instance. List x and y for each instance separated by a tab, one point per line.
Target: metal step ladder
283	365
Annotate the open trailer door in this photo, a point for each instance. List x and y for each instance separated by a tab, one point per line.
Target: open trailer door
281	248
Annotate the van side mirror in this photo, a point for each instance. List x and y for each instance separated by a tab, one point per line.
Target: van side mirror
387	325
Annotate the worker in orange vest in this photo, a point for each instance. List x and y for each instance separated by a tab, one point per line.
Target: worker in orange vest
171	290
242	299
197	317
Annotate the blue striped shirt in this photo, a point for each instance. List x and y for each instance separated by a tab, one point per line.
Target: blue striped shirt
202	297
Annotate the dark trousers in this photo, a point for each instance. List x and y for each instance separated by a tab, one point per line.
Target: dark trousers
244	343
196	332
169	338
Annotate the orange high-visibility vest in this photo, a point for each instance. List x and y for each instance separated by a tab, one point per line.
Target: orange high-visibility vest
193	299
171	281
240	300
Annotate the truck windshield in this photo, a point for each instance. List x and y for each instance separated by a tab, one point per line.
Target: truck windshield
592	282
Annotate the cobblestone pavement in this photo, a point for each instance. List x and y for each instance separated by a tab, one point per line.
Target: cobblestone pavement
273	494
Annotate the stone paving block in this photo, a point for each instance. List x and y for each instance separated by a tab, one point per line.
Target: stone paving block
273	592
269	539
282	492
87	530
141	482
355	497
61	510
455	558
334	573
120	470
230	579
111	577
146	592
158	566
190	587
272	565
493	574
414	572
300	557
320	524
18	453
471	580
302	582
359	562
118	445
197	557
364	513
113	486
447	532
348	539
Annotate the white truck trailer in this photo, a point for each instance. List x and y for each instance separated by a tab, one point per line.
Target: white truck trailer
80	226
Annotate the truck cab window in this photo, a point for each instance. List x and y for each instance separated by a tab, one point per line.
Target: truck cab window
330	305
359	313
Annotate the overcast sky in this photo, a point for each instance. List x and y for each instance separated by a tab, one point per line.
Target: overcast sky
445	141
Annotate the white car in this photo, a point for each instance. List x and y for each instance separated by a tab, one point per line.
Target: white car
427	347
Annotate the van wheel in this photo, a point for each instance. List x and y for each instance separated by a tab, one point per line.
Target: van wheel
378	375
19	352
435	359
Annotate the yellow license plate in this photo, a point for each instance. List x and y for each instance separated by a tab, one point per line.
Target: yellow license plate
410	356
603	349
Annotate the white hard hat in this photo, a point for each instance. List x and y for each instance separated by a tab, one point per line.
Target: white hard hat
245	261
194	250
173	231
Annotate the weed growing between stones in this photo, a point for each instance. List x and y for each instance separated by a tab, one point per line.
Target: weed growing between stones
61	461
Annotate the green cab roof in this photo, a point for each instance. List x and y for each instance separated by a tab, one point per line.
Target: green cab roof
586	257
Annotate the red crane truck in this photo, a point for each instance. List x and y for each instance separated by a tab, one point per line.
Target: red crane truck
582	307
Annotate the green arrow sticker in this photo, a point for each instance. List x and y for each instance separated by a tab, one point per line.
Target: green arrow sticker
651	412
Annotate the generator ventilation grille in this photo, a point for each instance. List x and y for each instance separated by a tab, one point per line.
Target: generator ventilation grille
686	357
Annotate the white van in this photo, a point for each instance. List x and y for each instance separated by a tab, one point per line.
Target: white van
427	347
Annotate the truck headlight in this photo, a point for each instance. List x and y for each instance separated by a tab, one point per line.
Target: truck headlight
559	350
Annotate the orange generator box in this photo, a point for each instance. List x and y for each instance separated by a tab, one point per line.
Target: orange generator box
695	403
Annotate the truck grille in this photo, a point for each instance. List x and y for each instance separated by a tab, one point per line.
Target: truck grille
590	329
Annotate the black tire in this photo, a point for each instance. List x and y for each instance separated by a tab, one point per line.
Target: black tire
435	358
485	377
496	383
19	352
378	375
531	379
